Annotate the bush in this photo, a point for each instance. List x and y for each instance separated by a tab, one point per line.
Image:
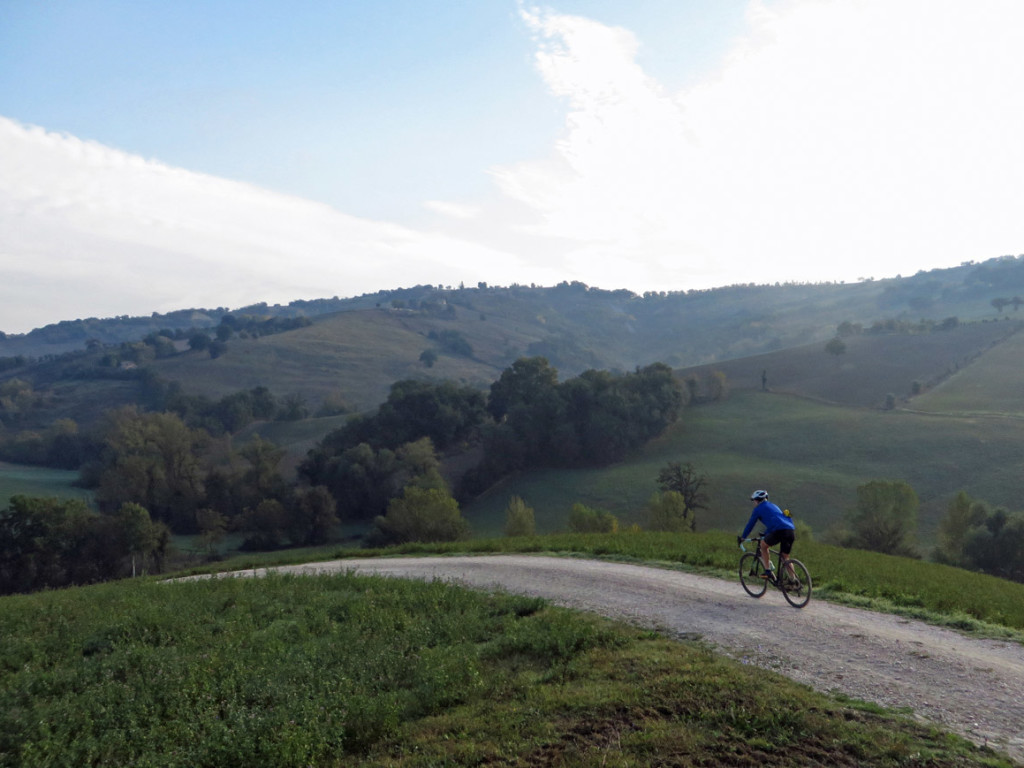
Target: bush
583	519
667	511
420	514
519	518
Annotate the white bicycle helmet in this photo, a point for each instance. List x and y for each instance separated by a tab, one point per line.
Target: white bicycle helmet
759	496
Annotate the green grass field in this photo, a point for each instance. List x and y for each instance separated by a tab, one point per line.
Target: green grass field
991	387
19	479
360	671
811	456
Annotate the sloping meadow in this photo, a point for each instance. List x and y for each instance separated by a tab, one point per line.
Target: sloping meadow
358	671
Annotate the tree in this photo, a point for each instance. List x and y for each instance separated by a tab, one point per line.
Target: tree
717	386
152	459
688	483
997	546
212	527
667	511
420	514
137	533
836	346
198	342
293	408
428	357
315	518
529	380
962	514
267	524
885	518
262	479
519	518
52	543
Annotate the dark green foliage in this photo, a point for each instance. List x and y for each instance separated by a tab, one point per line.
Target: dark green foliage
528	381
593	419
445	412
363	481
199	342
973	536
152	459
583	519
452	342
49	543
9	363
836	346
61	446
885	518
419	514
315	517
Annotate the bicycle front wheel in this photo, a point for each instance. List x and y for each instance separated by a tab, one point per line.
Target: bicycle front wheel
752	575
796	584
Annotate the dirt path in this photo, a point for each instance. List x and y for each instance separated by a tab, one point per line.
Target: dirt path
973	687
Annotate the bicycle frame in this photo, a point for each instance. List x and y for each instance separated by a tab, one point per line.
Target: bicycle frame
794	583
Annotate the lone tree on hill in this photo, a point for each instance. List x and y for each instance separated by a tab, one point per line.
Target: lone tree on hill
836	347
885	518
688	483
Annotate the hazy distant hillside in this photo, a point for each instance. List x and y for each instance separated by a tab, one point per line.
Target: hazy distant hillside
346	353
583	327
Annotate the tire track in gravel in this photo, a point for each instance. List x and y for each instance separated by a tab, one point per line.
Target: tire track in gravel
974	687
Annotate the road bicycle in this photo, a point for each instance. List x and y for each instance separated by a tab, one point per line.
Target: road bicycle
792	579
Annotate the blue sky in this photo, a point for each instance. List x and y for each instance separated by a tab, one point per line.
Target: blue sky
156	156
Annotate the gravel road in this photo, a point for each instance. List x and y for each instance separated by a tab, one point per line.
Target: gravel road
971	686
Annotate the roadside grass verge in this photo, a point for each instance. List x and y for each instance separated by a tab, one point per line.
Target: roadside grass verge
366	671
940	594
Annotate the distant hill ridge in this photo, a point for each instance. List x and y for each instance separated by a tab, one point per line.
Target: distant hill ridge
743	319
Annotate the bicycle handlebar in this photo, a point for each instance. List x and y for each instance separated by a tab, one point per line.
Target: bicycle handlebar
754	538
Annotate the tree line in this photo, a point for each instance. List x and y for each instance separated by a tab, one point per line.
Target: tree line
178	465
971	535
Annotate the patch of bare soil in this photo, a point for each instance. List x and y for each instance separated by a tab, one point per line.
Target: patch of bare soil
974	687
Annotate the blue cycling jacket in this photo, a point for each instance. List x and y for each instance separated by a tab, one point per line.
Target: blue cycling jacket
772	518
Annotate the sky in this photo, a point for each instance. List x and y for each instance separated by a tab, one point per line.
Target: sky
219	153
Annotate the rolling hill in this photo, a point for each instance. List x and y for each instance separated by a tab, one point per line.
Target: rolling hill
352	350
817	433
934	346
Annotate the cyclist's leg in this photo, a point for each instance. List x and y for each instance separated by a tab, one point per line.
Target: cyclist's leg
785	548
765	557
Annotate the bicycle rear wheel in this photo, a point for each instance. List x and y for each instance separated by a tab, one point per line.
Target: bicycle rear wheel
751	575
795	586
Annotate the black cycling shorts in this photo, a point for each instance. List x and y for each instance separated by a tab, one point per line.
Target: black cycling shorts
784	538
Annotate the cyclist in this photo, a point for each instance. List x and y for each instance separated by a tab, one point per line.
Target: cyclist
778	529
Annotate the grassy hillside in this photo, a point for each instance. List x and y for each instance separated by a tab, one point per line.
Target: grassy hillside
361	671
876	365
810	455
990	387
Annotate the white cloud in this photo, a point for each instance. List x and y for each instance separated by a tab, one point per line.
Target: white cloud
453	210
839	139
86	230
